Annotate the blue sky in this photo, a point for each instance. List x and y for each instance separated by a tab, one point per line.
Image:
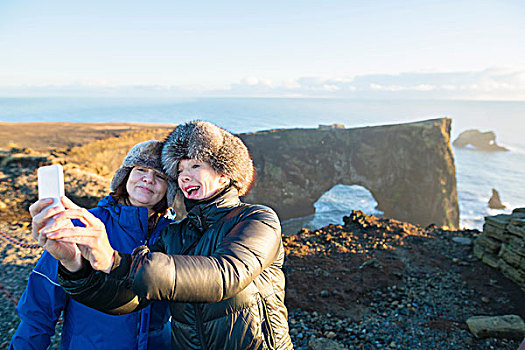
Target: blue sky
438	49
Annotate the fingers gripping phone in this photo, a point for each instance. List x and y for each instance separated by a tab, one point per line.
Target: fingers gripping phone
51	183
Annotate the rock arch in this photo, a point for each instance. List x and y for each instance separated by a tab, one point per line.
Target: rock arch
355	197
348	198
408	168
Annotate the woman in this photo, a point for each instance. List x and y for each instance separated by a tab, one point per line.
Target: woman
220	267
132	215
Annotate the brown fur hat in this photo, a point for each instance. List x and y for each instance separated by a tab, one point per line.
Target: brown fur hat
204	141
146	154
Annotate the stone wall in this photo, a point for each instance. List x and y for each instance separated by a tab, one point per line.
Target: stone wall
408	168
502	244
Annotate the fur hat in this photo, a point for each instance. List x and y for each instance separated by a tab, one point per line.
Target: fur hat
204	141
146	154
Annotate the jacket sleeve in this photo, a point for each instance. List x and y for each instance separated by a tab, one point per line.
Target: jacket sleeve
109	293
251	246
39	307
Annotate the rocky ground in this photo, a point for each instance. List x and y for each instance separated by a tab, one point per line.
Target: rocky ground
371	283
382	284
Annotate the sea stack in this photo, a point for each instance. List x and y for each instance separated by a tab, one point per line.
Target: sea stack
495	201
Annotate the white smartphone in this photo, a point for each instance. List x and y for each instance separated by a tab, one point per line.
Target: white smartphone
51	183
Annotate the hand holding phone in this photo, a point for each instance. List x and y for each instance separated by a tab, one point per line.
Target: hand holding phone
51	183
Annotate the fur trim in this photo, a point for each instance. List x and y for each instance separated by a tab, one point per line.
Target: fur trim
204	141
146	154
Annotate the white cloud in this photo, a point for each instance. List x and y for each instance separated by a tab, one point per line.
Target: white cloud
291	85
448	87
254	81
496	84
330	87
395	88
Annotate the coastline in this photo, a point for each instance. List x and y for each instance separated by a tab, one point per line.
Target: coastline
379	283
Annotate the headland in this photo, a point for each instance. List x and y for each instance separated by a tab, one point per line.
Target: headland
368	284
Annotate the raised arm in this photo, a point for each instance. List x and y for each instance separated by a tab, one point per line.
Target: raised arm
252	244
91	240
42	216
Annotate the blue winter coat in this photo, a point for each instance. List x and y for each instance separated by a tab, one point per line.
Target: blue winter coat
44	300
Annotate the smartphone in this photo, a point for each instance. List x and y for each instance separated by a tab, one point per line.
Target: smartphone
51	183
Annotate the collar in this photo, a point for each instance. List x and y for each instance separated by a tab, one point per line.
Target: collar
206	213
130	218
190	203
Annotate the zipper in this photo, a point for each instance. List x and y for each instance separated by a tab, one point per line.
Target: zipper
266	326
150	233
147	239
198	319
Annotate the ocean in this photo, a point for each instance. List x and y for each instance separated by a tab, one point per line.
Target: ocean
477	172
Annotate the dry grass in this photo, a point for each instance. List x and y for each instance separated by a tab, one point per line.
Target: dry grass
62	136
103	157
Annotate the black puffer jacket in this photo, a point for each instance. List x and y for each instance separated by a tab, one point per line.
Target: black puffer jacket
222	269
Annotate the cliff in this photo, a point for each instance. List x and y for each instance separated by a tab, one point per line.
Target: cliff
408	168
426	280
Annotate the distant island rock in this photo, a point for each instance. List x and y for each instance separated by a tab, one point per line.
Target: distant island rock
485	141
495	201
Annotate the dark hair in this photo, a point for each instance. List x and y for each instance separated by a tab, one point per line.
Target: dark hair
122	193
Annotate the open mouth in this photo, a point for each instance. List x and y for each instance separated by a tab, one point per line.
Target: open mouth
191	190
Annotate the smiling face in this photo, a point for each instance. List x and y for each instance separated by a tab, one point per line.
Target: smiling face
198	180
146	187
